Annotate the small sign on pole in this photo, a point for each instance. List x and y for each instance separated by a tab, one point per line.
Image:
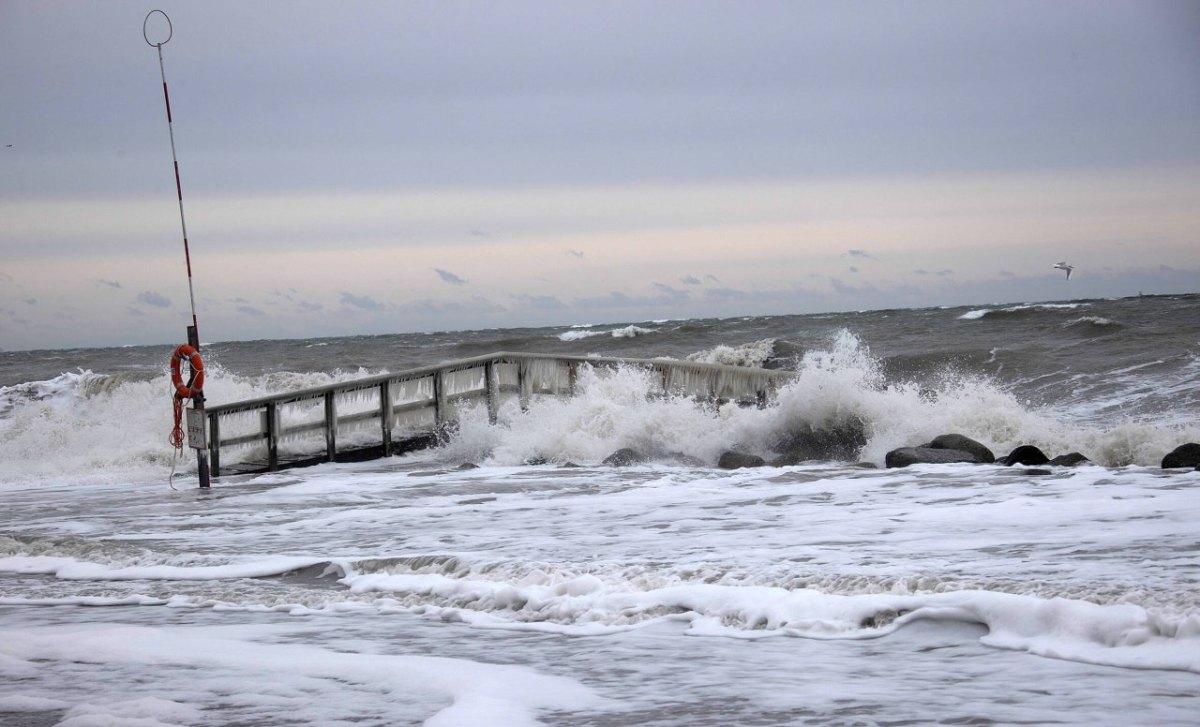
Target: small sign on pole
195	429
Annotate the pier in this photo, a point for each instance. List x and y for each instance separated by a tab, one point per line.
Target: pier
390	414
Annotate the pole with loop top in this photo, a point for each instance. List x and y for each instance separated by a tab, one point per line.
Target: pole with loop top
196	419
174	158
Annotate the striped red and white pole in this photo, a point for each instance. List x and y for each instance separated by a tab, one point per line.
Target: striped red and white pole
202	470
174	158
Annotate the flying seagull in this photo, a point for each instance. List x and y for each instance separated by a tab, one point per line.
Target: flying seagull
1064	266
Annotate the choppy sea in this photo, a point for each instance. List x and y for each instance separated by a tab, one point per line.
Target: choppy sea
410	590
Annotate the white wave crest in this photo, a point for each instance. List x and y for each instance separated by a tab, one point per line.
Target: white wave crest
754	354
578	333
841	386
98	428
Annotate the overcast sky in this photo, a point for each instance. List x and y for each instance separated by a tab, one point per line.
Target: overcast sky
409	166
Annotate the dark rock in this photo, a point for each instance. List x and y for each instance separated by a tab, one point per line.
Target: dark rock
1025	454
737	460
905	456
536	460
1185	455
787	460
983	455
467	466
840	441
624	457
1072	459
685	460
1036	472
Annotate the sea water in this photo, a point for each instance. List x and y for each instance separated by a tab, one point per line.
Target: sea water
414	590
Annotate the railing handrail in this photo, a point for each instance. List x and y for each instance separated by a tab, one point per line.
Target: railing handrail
476	361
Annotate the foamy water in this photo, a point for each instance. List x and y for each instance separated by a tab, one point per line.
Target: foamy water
413	591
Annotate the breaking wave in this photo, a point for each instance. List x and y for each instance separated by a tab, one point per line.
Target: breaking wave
840	397
579	334
102	427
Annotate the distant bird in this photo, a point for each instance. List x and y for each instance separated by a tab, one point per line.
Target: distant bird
1064	266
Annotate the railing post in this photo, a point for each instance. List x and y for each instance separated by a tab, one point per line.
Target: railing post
491	384
385	415
524	385
272	415
330	426
214	445
439	399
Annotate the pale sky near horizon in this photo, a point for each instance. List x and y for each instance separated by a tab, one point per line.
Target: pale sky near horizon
383	167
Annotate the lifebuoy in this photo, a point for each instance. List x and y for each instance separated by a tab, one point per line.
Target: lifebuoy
182	390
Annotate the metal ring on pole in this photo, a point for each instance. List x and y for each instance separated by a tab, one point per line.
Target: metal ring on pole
170	29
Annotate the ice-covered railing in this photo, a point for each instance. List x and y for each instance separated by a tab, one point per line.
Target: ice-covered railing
393	413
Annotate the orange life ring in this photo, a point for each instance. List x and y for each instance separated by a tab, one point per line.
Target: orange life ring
182	390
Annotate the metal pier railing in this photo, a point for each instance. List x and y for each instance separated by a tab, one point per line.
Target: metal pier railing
393	413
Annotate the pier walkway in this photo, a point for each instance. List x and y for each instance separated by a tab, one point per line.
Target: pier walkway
395	413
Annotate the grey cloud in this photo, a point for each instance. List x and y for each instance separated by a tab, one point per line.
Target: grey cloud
365	302
756	296
690	280
149	297
29	301
947	85
673	293
449	277
844	289
474	306
615	299
861	254
110	283
313	307
541	302
576	253
250	310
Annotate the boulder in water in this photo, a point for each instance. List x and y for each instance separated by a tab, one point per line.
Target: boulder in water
1026	454
625	457
738	460
905	456
983	455
943	449
1071	459
840	441
1185	455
